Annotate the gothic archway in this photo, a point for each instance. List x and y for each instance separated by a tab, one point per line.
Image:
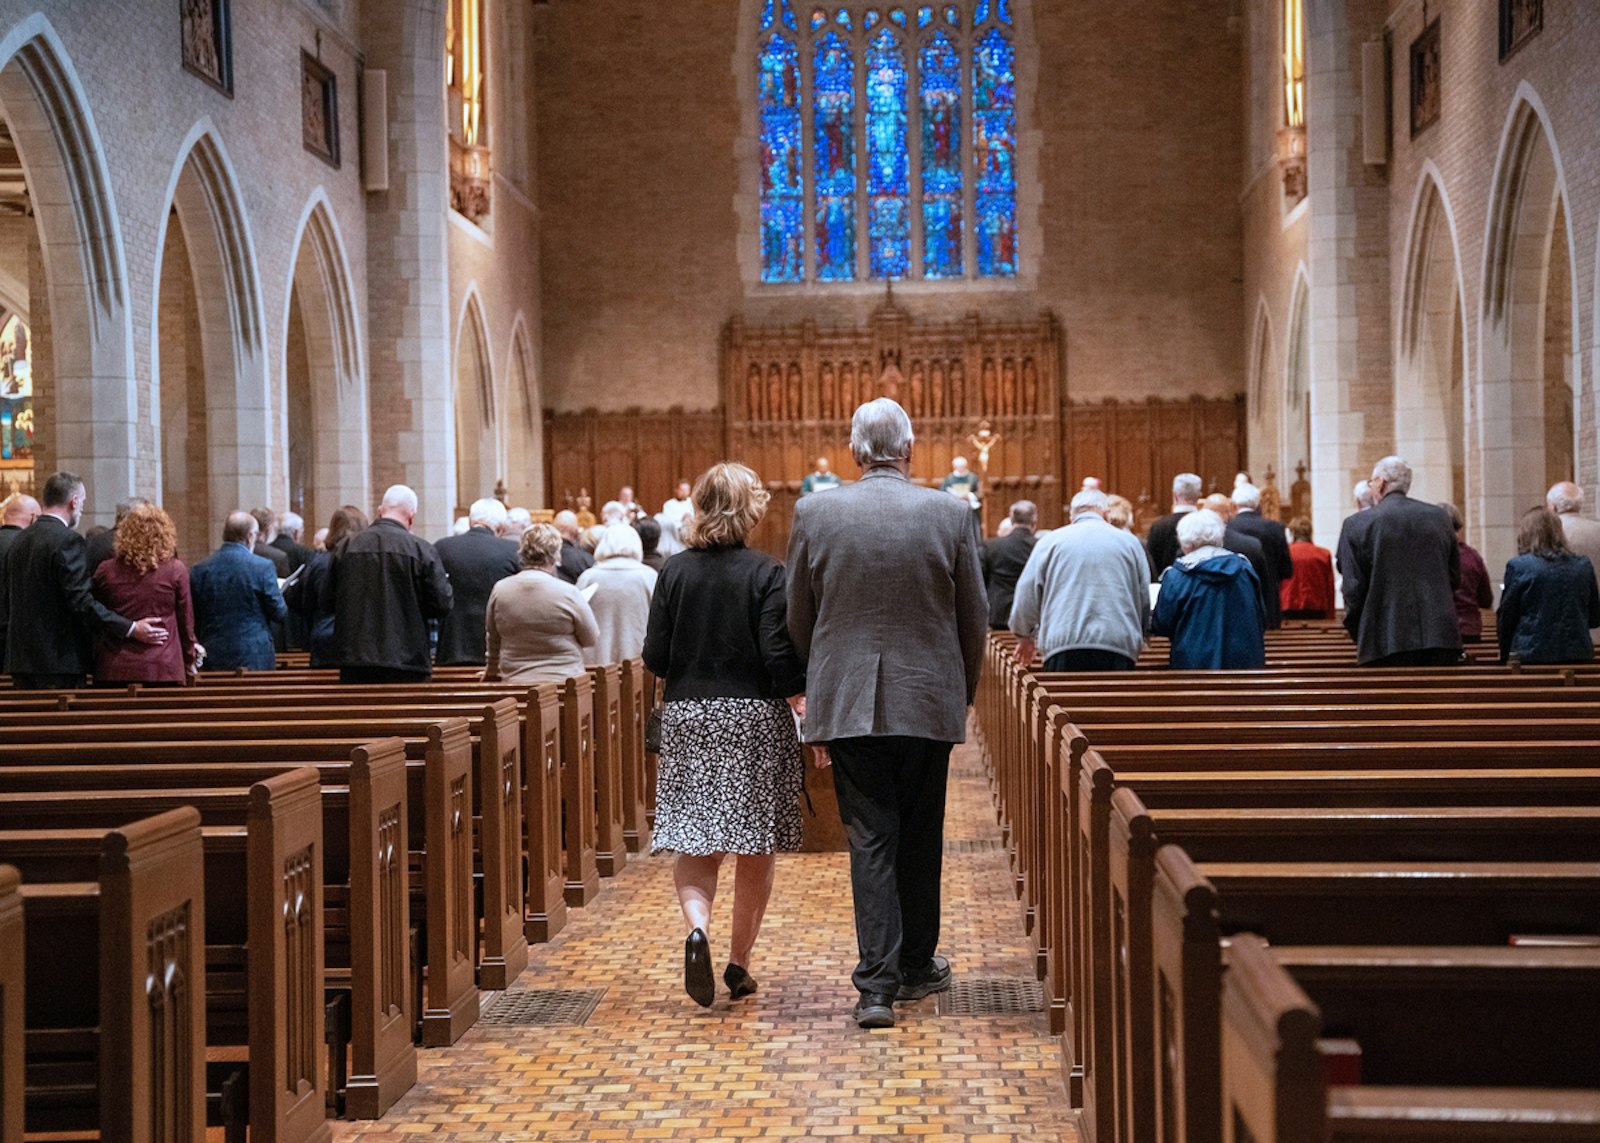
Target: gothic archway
477	438
524	473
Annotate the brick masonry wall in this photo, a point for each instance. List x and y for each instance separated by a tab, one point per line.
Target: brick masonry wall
1130	216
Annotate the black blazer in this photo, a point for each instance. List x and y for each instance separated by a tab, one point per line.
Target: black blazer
277	558
1401	565
101	547
47	610
1161	544
475	561
1279	565
384	585
574	561
298	554
1003	559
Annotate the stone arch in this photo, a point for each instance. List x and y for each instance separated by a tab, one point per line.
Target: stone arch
325	382
1296	423
225	378
1265	397
84	392
477	430
1430	369
1528	376
524	423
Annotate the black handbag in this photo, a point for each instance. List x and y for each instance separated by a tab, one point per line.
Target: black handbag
652	731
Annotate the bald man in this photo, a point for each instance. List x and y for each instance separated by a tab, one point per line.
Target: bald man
17	511
1565	499
236	600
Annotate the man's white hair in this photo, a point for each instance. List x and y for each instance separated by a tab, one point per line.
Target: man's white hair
1247	495
566	522
880	433
520	516
619	540
489	512
1202	529
613	512
1564	497
462	526
292	523
1394	472
1363	494
399	496
1090	500
1186	488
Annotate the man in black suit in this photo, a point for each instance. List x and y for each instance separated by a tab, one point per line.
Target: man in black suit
574	560
1362	493
47	612
1161	545
475	561
1003	560
291	529
17	511
1242	543
102	545
267	521
1402	568
1249	521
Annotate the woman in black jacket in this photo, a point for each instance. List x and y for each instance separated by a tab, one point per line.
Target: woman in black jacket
1549	600
730	775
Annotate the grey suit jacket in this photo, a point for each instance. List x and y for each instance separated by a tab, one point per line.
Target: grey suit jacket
886	603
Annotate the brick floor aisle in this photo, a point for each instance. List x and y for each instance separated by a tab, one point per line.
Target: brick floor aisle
786	1062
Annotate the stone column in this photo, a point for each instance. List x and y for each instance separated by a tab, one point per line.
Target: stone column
413	424
1352	384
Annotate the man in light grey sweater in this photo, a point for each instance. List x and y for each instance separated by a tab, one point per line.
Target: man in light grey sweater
1084	597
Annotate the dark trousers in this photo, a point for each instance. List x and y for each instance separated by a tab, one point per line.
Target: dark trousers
356	676
27	682
1427	657
1088	659
891	798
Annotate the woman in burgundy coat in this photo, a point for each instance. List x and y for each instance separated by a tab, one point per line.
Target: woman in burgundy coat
145	575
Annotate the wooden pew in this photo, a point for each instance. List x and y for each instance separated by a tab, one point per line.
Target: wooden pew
12	1001
115	1039
364	829
445	801
264	910
1520	1019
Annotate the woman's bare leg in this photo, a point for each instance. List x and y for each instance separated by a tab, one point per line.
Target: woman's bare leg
696	880
752	887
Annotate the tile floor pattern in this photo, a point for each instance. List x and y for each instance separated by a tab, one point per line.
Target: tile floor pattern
785	1063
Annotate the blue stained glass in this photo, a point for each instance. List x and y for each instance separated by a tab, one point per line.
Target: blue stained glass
888	167
782	192
994	113
1004	8
788	14
924	16
833	90
940	64
982	13
898	16
952	16
766	15
870	20
842	18
819	20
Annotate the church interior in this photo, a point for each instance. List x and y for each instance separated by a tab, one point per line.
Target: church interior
543	250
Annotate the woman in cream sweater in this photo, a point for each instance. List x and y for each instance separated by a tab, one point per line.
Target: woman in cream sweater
537	624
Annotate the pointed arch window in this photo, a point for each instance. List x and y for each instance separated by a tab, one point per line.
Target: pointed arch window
888	141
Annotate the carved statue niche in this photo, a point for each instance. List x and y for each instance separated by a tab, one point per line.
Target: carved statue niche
753	384
1300	492
991	387
774	392
847	391
958	389
1271	506
825	390
919	389
1030	387
1008	387
936	389
794	391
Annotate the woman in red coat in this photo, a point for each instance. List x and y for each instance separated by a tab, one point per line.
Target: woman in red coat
1309	595
145	577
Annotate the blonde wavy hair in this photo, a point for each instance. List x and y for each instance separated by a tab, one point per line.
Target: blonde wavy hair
728	502
145	539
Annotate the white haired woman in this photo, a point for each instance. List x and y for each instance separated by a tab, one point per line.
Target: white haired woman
730	773
623	584
537	624
1210	601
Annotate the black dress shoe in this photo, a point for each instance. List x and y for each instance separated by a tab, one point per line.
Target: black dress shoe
933	978
697	979
875	1010
740	983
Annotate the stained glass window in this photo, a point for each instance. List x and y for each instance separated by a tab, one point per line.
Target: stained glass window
888	164
926	96
994	113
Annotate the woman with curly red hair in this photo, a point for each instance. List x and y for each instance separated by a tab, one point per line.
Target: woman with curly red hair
145	576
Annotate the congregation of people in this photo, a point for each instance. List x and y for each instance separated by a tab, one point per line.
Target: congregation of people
864	644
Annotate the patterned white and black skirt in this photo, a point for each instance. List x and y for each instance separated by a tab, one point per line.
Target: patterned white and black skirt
729	779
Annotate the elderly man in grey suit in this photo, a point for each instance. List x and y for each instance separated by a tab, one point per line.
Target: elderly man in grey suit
886	601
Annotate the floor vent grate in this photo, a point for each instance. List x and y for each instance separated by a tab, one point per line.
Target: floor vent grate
542	1007
972	845
992	996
